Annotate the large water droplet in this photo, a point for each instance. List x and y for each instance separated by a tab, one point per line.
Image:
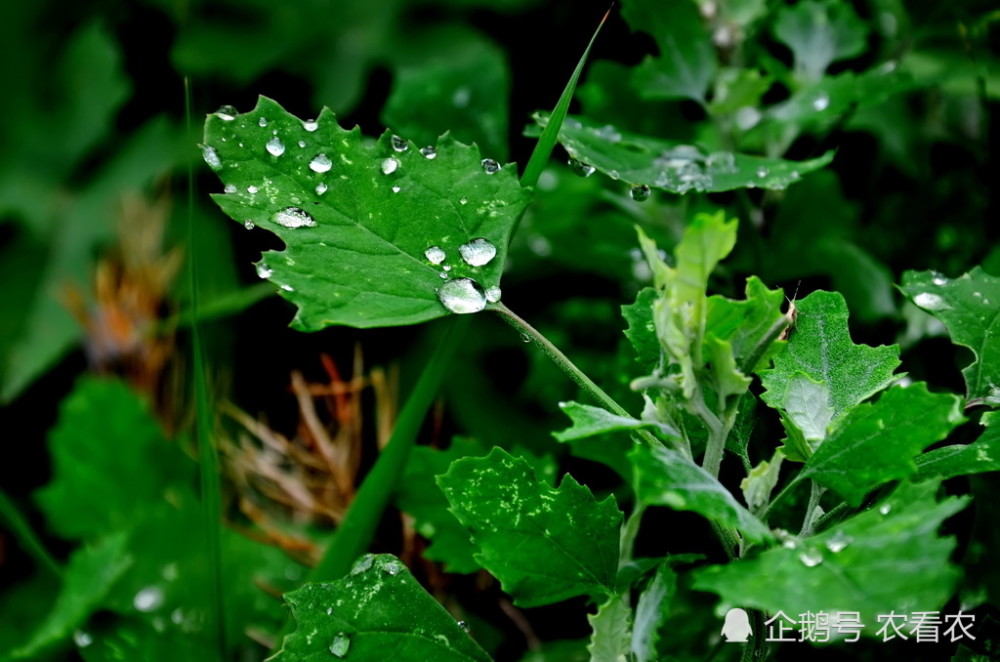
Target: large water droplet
321	188
211	157
389	166
839	542
580	168
399	144
490	166
429	152
434	255
462	296
341	644
493	294
478	252
811	557
248	224
930	301
227	113
320	163
639	193
294	217
275	147
392	567
821	102
148	599
310	125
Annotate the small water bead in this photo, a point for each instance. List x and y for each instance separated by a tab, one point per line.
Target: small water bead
288	288
434	255
275	147
811	558
392	567
341	644
462	296
396	189
940	280
763	172
229	188
461	97
389	166
148	599
490	167
821	102
609	133
639	193
580	168
464	626
478	252
302	143
447	267
320	163
252	190
248	224
226	113
885	508
839	542
443	275
294	217
493	294
463	201
321	188
211	157
264	271
399	144
262	121
363	564
82	638
429	152
310	125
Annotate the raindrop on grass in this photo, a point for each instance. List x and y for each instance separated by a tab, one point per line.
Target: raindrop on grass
462	296
580	168
320	163
399	144
434	255
429	152
211	157
493	294
275	147
639	193
396	189
478	252
389	166
885	508
839	542
811	558
490	167
310	125
392	567
226	113
341	644
294	217
464	626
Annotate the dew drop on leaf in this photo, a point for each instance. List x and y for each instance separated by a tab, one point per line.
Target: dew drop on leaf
302	143
930	301
811	558
639	193
939	280
399	144
463	625
434	255
321	188
821	102
363	564
389	166
287	288
490	166
462	296
429	152
82	638
262	121
396	189
839	542
252	190
493	294
275	147
392	567
885	508
320	163
341	644
148	599
211	157
762	172
310	125
230	188
264	271
580	168
248	224
226	113
478	252
294	217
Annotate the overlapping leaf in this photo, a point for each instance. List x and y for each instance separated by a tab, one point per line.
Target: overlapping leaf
820	33
651	613
589	420
612	631
544	544
358	219
981	456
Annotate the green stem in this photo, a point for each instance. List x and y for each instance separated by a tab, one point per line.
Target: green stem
809	522
629	532
23	532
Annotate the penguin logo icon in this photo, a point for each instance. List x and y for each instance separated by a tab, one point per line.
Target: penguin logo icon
736	629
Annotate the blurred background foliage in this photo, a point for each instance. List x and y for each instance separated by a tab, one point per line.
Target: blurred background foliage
94	153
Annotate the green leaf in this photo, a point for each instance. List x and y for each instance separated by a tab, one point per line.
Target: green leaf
611	631
90	574
356	249
686	62
420	496
651	613
970	307
378	608
727	379
885	559
664	477
641	331
589	421
544	544
820	33
677	168
760	482
111	461
980	456
822	374
824	101
875	443
750	326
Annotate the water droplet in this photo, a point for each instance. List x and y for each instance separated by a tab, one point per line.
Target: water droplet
429	152
320	163
310	125
885	508
294	217
811	557
839	542
252	190
226	113
434	255
392	567
525	337
443	275
341	644
821	102
493	294
275	147
363	564
490	166
747	118
302	143
580	168
229	188
478	252
211	157
639	193
464	626
462	296
148	599
446	267
288	288
930	301
321	188
262	121
82	638
940	280
399	144
463	201
389	166
461	97
248	224
763	172
396	189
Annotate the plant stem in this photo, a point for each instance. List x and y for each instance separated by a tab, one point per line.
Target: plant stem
629	531
809	522
23	532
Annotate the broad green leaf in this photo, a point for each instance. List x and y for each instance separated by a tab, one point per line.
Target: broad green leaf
611	631
420	496
822	374
759	484
651	613
664	477
379	608
980	456
876	442
750	326
544	544
827	99
589	420
970	307
358	219
885	559
646	161
686	62
90	574
111	461
641	331
820	32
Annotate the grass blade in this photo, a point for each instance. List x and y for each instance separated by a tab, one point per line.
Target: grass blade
22	531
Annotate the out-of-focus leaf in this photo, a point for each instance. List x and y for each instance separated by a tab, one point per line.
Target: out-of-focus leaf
760	482
589	421
980	456
651	613
544	544
645	161
641	331
611	631
378	608
360	220
825	100
970	307
820	33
